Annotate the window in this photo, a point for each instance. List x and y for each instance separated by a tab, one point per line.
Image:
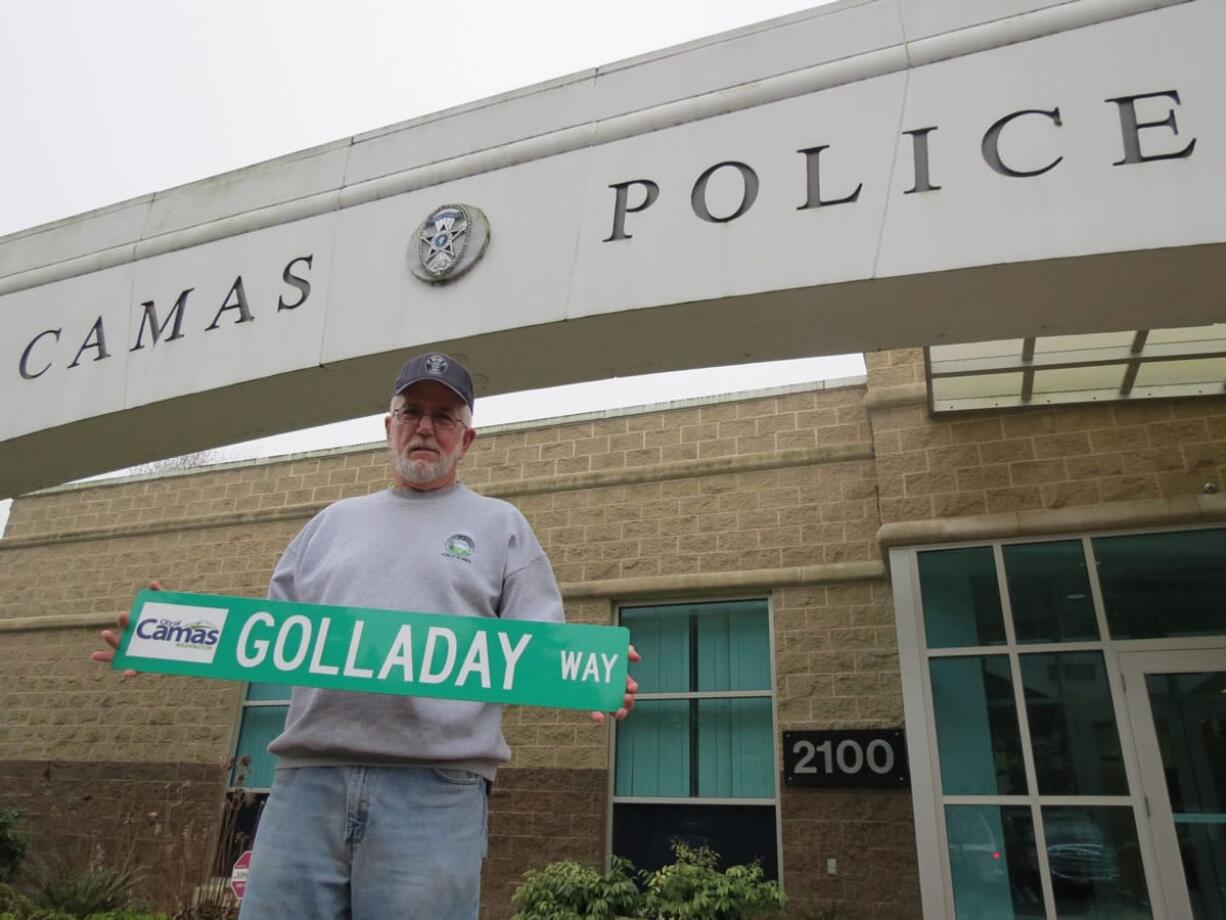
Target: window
262	719
1015	646
697	760
1157	585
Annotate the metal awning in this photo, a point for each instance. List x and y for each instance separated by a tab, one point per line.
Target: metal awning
1065	369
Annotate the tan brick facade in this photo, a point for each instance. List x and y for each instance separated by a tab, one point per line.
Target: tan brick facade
779	496
1038	459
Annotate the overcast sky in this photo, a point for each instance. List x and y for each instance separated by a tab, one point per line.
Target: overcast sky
106	101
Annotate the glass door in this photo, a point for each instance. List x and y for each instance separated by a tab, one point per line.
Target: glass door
1177	706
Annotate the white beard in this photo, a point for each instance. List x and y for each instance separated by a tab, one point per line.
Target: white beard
422	472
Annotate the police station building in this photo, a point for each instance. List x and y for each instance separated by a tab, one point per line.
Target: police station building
948	640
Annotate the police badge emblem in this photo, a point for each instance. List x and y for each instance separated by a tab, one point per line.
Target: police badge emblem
449	242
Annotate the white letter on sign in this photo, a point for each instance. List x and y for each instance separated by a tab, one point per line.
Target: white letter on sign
591	668
477	660
401	654
433	677
512	655
317	666
278	651
256	658
351	668
609	661
570	664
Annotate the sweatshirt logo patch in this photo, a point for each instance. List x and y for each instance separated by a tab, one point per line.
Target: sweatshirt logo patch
459	546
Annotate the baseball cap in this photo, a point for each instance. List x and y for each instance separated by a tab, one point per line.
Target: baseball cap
440	368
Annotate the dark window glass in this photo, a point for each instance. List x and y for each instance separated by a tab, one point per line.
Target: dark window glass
1049	591
978	739
1095	862
1190	719
740	834
961	601
698	748
662	637
653	750
1163	584
253	765
711	748
736	751
732	642
1202	849
993	863
1072	724
700	647
241	815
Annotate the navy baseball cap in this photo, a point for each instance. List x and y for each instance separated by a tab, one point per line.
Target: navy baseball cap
439	368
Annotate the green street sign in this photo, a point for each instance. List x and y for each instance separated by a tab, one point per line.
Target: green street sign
377	651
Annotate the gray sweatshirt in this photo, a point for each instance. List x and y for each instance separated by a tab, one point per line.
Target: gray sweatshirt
445	551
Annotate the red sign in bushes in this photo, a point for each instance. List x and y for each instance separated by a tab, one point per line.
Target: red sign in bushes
238	875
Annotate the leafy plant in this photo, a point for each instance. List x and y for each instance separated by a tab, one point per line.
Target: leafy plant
96	889
13	902
13	843
16	906
570	891
692	888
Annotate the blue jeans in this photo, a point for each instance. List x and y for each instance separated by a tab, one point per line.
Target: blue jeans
369	843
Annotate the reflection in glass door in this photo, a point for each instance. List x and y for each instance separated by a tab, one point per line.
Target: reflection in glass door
1178	705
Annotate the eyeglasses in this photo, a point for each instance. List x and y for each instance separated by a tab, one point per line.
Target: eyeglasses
411	417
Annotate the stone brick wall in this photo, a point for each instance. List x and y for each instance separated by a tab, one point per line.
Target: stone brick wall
162	817
1041	458
836	659
55	704
871	837
538	816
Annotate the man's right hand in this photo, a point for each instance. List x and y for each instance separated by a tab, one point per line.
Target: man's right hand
111	637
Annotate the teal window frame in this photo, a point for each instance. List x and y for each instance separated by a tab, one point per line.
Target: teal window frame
932	800
257	699
764	690
701	651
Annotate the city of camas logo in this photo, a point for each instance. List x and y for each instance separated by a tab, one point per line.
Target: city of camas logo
183	635
383	651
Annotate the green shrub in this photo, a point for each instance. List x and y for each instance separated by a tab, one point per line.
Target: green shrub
569	891
96	889
209	912
692	888
16	906
13	902
13	844
127	914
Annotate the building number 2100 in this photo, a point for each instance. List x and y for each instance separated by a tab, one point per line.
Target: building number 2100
874	757
849	755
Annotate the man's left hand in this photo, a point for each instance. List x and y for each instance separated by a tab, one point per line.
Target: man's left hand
632	688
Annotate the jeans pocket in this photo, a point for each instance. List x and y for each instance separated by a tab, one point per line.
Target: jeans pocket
456	777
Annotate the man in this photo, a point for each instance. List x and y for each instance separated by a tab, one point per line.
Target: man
379	806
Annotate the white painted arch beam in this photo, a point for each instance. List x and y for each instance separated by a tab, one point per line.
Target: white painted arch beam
801	223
